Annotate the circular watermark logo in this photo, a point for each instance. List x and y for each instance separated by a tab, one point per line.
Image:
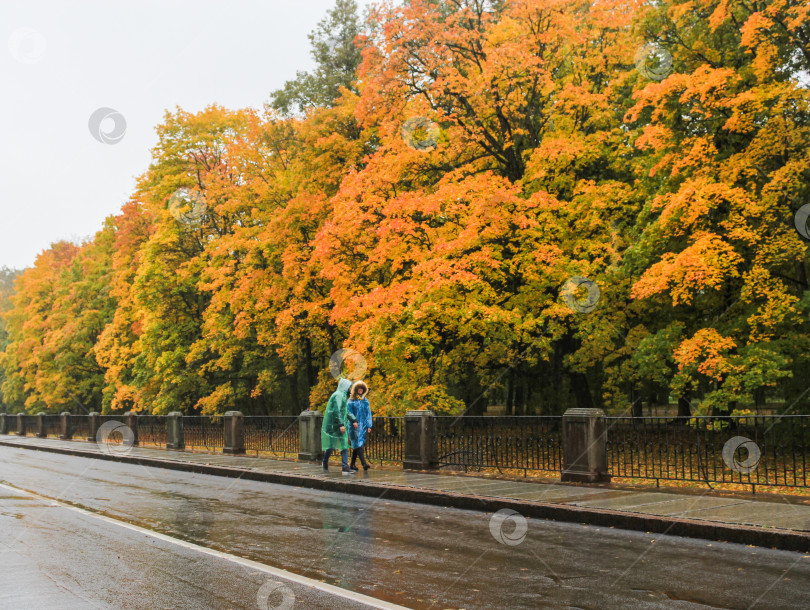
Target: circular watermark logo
107	125
27	45
653	61
731	454
800	219
188	206
581	294
420	133
275	596
348	363
115	437
515	534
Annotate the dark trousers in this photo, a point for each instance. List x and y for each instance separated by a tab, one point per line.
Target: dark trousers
360	452
344	454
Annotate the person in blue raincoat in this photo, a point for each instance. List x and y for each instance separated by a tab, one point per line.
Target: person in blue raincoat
361	410
336	421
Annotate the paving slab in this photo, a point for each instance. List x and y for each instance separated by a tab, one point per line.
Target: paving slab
462	485
629	501
761	514
560	493
679	508
507	489
799	523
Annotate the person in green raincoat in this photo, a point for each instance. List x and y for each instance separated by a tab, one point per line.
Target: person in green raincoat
336	420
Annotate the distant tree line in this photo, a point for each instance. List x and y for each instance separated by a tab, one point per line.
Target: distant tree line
531	204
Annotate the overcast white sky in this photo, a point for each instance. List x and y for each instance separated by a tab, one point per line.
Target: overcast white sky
61	61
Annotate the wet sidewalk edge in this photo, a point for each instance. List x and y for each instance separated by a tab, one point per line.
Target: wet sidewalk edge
781	539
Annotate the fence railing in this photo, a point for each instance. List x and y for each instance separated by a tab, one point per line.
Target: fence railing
751	450
202	432
386	442
53	426
276	434
30	424
504	443
80	425
152	430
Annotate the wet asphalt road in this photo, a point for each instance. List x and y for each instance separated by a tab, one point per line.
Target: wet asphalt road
52	557
409	554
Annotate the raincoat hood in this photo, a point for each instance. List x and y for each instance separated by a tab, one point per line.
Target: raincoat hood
344	385
356	386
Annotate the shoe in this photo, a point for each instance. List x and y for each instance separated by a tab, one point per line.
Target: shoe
352	468
347	472
325	466
366	466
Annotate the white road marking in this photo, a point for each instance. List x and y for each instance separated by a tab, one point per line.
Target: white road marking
255	565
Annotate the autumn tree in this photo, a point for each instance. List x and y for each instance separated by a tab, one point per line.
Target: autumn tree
7	278
726	135
117	346
332	46
450	248
59	308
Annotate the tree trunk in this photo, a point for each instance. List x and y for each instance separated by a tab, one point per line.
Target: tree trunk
582	392
636	403
519	400
801	276
310	368
293	383
684	408
510	394
579	382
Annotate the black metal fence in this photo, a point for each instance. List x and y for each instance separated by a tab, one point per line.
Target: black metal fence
504	443
752	450
386	441
30	424
749	450
53	426
276	434
80	425
201	432
152	430
112	430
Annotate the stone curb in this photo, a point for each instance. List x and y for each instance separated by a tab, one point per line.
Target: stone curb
786	540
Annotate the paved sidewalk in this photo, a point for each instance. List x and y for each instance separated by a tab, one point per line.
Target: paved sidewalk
765	521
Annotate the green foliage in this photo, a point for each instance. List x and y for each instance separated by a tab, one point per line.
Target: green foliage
336	56
7	278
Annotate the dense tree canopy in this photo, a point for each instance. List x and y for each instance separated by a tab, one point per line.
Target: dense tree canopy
536	204
336	56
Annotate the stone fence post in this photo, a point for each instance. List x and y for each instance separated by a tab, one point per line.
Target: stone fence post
66	427
3	423
93	424
584	439
21	424
42	432
234	433
131	422
309	428
175	437
420	441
